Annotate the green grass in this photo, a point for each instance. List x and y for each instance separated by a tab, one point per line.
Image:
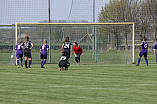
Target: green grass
83	84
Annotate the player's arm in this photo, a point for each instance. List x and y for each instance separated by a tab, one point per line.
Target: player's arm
155	53
21	45
47	48
62	49
15	47
155	50
81	51
138	44
32	45
72	49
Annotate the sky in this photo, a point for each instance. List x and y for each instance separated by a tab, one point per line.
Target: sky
13	11
61	9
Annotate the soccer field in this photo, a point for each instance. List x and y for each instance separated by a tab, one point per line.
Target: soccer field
81	84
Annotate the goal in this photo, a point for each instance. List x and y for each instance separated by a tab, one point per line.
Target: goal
101	42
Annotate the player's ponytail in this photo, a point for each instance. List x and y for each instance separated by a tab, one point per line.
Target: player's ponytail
20	41
45	41
76	43
27	38
67	39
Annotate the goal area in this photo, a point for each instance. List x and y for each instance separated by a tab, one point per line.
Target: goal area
101	42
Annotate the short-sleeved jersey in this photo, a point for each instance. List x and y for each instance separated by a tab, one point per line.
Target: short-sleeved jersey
27	44
18	48
64	58
155	46
144	45
66	46
44	48
77	49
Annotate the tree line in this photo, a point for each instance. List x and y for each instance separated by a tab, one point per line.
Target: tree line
142	12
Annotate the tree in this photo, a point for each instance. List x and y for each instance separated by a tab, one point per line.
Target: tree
118	11
149	11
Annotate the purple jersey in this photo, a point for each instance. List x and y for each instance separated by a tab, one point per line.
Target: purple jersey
155	46
144	45
44	48
18	49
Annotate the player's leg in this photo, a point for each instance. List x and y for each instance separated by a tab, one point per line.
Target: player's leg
67	65
26	62
17	60
76	58
42	60
146	60
21	60
30	59
60	66
156	57
44	57
139	58
68	55
30	62
145	57
26	57
79	55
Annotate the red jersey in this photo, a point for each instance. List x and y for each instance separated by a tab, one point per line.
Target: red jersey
77	49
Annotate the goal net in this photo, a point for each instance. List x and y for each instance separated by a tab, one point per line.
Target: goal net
101	42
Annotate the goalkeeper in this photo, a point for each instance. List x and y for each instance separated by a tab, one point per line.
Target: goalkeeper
77	51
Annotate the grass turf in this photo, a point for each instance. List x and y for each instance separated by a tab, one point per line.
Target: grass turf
83	84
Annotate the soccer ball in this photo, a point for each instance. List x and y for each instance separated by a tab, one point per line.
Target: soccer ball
12	56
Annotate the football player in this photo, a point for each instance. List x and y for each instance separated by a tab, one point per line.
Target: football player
19	53
27	46
77	51
144	46
43	53
64	62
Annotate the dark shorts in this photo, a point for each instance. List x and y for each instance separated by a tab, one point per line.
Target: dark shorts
67	53
143	52
78	55
19	55
27	53
43	56
63	64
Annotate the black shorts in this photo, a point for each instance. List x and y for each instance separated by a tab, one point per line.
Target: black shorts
67	53
78	55
27	53
63	64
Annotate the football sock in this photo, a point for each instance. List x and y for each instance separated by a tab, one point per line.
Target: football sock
21	61
156	57
139	60
42	62
30	62
76	59
17	62
25	63
146	61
